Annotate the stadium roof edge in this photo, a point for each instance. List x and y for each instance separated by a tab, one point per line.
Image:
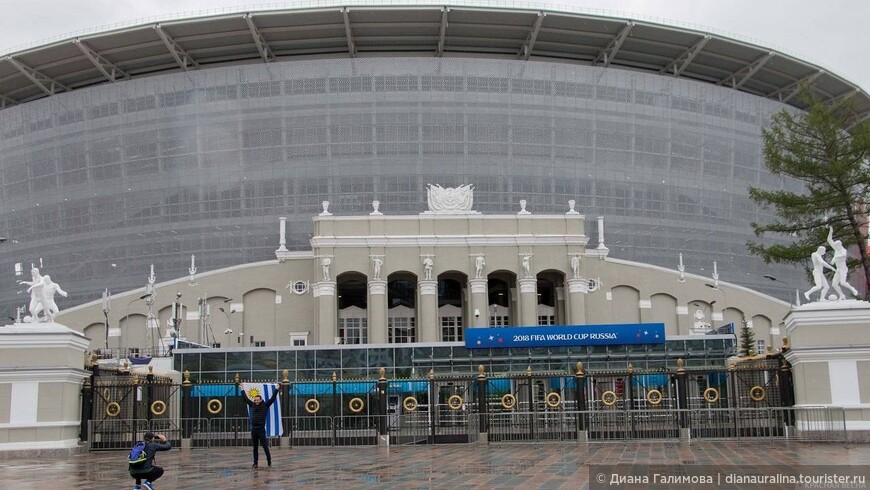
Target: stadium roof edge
176	44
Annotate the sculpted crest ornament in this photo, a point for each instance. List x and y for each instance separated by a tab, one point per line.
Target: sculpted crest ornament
450	200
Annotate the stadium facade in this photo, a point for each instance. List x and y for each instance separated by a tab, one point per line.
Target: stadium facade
149	144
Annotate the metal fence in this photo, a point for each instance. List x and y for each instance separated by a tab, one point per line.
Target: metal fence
818	424
752	401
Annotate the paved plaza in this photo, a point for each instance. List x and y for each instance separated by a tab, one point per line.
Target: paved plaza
543	466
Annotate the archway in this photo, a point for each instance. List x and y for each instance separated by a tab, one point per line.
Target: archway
353	325
401	308
452	305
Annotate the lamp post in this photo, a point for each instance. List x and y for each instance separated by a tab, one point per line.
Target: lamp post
724	304
127	316
106	307
229	329
797	294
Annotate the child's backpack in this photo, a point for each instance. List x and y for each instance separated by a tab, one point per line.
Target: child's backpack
137	455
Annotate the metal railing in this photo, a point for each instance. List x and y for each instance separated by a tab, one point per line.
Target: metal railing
819	424
123	433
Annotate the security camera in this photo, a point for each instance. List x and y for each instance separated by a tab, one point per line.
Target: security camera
476	313
228	331
178	295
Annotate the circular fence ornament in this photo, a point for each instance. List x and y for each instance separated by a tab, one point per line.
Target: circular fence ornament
608	398
454	402
214	406
553	399
158	407
508	401
356	405
757	393
410	404
113	409
711	395
654	397
312	405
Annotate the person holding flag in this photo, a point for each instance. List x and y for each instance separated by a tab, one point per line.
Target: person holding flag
265	418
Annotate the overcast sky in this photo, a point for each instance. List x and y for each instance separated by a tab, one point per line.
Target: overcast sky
833	34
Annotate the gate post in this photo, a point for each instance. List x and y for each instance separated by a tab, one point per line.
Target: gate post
531	415
149	380
135	411
285	407
86	401
482	409
580	396
629	390
683	401
335	410
433	406
88	390
237	381
786	393
383	436
186	410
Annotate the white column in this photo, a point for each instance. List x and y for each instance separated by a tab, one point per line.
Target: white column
577	290
377	310
601	233
282	234
327	330
528	301
479	300
427	331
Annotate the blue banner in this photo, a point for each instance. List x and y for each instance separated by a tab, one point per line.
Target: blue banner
554	336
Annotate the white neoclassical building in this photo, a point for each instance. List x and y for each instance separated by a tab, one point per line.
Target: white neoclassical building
384	279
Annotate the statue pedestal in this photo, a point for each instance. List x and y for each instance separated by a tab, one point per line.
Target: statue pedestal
41	376
830	358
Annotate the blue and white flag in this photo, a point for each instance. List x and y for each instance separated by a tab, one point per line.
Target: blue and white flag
274	428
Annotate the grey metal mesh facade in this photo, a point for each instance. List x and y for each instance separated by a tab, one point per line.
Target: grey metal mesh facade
155	169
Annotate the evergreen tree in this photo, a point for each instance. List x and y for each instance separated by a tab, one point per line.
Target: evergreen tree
747	340
825	149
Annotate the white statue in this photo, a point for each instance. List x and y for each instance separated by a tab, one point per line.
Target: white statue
682	269
49	289
819	280
841	268
450	200
42	291
375	205
428	265
325	212
377	262
35	291
575	266
527	265
479	263
701	324
571	204
324	266
523	207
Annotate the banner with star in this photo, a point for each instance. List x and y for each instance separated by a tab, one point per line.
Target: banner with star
555	336
274	427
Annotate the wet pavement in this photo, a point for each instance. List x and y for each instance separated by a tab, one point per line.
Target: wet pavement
459	466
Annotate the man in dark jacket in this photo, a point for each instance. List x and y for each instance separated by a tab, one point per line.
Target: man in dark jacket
259	408
147	470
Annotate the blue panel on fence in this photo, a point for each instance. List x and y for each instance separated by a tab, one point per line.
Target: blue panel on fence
550	336
214	390
717	379
342	387
409	386
651	380
499	386
356	387
557	383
